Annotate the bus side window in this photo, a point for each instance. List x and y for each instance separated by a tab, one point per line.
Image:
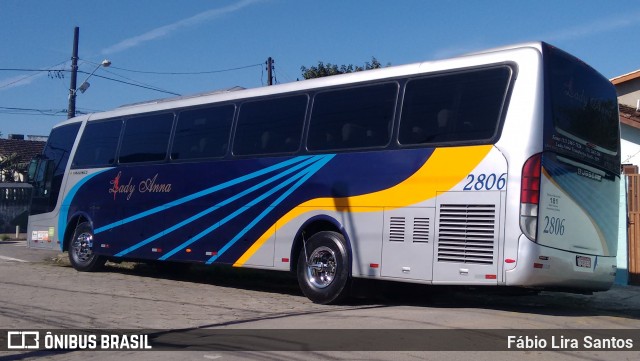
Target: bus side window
353	136
442	126
270	126
146	138
351	118
98	144
271	142
459	107
203	133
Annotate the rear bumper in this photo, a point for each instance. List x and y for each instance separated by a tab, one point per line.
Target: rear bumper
544	267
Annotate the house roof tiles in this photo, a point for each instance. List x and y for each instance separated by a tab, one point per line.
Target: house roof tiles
25	149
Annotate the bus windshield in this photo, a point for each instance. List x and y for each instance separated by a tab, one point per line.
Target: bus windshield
48	169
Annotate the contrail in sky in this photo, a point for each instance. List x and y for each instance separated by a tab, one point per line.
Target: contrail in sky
593	28
168	29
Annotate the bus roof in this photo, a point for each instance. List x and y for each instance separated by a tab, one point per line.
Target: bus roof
238	93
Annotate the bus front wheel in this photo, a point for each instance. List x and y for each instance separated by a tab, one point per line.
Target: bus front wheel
323	268
81	253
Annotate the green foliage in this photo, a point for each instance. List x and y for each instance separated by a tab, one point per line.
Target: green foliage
9	165
328	69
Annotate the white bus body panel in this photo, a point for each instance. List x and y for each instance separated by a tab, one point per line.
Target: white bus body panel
540	266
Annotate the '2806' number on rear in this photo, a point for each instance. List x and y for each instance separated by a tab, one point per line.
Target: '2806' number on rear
553	225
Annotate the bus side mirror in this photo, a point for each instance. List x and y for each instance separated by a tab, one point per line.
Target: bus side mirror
38	169
33	168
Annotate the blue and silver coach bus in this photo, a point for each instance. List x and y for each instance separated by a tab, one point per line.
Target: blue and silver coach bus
496	168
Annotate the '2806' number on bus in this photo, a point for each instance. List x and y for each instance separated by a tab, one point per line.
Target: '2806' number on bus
553	225
485	182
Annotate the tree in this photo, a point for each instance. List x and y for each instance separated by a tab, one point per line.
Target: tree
328	69
11	168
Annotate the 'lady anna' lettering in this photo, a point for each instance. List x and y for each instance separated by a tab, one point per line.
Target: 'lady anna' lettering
149	185
117	188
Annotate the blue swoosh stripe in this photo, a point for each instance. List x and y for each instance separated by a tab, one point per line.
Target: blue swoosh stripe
201	193
64	207
217	206
272	206
242	210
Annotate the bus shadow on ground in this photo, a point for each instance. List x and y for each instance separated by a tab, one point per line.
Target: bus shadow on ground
618	302
217	275
621	302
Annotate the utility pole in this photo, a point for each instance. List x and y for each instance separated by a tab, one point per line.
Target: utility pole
71	111
270	71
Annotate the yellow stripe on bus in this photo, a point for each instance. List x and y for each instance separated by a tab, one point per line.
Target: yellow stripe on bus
444	169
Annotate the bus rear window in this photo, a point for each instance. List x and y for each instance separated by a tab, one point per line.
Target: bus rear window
583	104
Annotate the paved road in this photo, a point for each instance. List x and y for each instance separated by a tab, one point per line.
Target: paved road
39	290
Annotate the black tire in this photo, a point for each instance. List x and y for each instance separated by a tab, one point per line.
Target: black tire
80	250
327	277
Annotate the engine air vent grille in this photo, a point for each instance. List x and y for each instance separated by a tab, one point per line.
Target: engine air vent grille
421	229
396	229
467	233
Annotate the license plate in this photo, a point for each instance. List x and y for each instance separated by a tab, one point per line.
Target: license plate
582	261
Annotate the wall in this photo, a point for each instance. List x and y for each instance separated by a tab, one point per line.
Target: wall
622	274
15	199
630	145
629	92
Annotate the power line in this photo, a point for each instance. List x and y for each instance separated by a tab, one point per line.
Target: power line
139	71
55	112
83	72
132	84
137	81
140	85
37	71
51	68
22	69
46	112
186	72
31	111
148	86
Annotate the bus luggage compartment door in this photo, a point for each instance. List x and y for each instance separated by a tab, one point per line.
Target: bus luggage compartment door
407	247
466	239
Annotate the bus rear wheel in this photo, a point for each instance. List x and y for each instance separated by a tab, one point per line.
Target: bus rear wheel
81	253
324	270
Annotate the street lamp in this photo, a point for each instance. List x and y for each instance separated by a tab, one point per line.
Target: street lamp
85	85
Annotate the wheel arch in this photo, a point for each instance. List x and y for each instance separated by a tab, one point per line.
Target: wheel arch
74	221
312	226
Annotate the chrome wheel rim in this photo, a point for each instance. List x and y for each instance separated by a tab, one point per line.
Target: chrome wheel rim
321	267
82	247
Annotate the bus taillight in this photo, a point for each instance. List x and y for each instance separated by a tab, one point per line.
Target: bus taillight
530	196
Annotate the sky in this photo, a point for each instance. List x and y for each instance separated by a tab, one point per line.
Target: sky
160	49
